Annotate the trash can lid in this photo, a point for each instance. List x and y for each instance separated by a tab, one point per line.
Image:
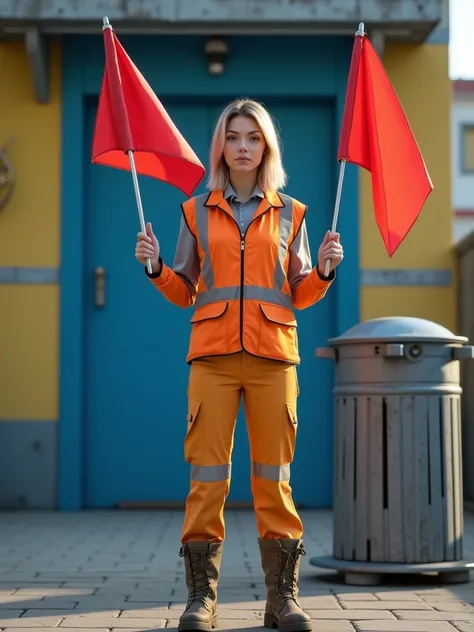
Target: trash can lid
397	329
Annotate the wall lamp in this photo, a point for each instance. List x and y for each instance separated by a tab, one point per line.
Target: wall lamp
216	51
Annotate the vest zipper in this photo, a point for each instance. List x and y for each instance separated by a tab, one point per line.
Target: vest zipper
242	252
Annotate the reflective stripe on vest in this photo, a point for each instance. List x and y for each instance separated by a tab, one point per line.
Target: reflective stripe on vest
274	473
210	473
253	292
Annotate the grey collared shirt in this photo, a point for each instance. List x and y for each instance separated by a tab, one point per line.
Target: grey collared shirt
186	261
243	212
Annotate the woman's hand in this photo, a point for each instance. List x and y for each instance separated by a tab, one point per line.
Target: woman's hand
148	248
330	248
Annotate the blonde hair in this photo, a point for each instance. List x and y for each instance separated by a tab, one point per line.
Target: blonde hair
271	174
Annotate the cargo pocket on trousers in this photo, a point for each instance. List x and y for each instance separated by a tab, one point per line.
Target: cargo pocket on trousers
191	441
292	430
297	383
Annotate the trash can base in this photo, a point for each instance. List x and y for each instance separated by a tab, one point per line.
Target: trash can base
362	579
370	573
454	577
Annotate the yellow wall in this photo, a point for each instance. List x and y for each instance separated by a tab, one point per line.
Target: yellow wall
421	79
29	237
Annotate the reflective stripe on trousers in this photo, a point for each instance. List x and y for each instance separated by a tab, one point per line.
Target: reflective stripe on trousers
216	473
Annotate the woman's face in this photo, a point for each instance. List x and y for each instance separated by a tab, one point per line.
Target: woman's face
244	144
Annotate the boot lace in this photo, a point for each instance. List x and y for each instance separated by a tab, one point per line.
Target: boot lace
286	584
200	586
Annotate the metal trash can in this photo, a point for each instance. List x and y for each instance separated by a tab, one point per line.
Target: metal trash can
398	498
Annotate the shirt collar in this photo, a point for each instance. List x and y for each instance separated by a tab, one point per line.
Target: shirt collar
230	194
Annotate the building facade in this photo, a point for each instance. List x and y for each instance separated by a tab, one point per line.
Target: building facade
93	395
462	139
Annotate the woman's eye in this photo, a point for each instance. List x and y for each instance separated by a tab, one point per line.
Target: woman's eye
230	137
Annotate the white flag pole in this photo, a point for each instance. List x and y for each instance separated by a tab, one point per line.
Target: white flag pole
342	168
336	208
138	198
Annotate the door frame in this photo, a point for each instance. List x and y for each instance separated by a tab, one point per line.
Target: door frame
76	90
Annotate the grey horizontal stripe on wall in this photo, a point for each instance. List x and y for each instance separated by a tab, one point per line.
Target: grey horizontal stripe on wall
48	276
20	275
406	277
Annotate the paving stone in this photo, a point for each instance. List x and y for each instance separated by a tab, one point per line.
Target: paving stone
240	615
40	622
385	605
332	626
10	577
156	595
454	606
319	601
78	582
67	613
399	595
119	623
56	592
404	626
434	615
115	590
433	601
446	592
148	613
48	603
103	602
356	596
78	612
351	615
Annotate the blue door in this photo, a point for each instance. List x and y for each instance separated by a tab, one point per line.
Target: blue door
136	374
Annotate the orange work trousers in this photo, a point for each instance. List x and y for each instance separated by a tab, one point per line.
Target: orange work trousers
270	390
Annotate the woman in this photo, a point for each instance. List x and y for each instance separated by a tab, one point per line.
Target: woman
243	261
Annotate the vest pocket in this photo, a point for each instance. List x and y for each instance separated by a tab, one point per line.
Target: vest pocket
279	315
213	310
209	335
278	337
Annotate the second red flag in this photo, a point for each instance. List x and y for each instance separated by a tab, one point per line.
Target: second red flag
376	135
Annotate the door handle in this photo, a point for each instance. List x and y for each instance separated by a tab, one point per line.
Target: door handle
99	275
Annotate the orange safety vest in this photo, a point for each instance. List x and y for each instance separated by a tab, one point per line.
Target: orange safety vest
243	299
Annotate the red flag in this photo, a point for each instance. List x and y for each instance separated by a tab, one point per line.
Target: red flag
130	116
376	135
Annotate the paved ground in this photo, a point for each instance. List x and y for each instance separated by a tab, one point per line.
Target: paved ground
120	571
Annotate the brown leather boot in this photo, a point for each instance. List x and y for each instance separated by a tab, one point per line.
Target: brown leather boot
280	563
202	561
